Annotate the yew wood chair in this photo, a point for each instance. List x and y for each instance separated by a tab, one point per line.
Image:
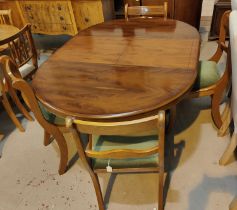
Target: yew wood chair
6	17
209	81
233	110
121	147
23	52
4	90
50	122
7	105
146	11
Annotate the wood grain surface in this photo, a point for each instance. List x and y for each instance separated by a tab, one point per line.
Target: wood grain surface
120	69
5	32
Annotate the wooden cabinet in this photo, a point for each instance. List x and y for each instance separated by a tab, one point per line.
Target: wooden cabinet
87	13
220	7
59	16
189	11
55	17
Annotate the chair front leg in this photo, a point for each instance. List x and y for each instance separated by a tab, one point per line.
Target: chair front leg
226	119
229	150
85	161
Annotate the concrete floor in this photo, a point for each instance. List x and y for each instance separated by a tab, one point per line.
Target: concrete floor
29	178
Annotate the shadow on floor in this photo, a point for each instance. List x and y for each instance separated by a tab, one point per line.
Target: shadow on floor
209	185
7	126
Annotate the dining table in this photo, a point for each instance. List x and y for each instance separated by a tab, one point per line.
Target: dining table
5	32
120	69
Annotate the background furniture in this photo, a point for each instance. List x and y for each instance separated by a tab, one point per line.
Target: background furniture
136	11
183	10
6	31
209	81
6	17
219	9
22	50
144	73
59	17
6	88
70	16
14	80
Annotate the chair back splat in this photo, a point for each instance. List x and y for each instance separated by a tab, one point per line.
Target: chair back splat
22	50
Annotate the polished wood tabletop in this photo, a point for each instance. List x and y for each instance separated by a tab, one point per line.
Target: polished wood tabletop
120	69
5	32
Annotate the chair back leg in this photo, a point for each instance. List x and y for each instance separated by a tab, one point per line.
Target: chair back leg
16	100
63	150
10	112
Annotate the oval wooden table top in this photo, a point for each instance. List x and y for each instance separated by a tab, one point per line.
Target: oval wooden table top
5	32
119	69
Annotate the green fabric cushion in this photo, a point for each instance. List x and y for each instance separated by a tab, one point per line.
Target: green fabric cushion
207	74
50	117
104	143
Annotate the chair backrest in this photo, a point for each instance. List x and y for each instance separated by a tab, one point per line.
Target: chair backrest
153	125
234	4
5	17
224	30
146	11
233	44
22	47
14	79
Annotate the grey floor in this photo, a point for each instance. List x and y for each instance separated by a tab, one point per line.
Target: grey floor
29	179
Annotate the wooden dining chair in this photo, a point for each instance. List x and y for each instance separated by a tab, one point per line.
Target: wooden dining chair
233	107
121	147
6	89
209	82
146	11
23	52
6	17
46	119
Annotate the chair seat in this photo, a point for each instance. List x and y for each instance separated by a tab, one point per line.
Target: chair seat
104	143
26	69
50	117
207	75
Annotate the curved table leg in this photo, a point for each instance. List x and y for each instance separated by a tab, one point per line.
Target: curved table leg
229	150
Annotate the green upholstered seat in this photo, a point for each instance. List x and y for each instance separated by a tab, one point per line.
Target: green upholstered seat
104	143
207	75
50	117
